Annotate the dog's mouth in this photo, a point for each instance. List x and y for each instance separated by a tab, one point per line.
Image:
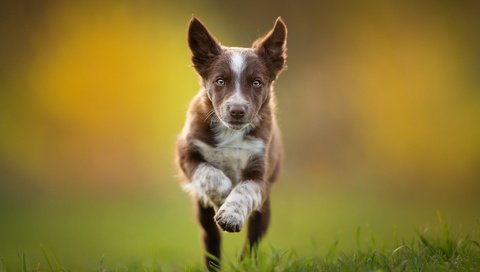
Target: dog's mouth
237	124
233	124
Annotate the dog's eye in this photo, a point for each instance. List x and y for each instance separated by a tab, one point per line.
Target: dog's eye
220	82
257	83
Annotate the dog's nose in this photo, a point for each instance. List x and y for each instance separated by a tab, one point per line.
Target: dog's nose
237	111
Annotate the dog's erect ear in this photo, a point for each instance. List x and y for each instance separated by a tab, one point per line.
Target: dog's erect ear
273	47
203	45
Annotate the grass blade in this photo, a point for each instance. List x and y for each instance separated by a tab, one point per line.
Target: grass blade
47	258
357	237
443	226
24	261
332	252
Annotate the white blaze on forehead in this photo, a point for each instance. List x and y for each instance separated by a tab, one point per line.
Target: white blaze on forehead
237	65
237	62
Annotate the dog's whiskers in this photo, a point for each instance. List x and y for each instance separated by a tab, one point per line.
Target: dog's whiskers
209	114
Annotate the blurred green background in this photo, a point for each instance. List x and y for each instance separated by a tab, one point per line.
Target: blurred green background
379	109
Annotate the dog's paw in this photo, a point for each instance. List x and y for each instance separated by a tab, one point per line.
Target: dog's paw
229	220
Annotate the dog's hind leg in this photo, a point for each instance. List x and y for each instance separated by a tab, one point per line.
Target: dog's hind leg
210	235
257	227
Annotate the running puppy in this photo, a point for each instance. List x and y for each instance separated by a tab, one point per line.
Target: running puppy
229	150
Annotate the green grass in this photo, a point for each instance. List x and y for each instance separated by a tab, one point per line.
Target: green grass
423	254
427	252
313	229
440	251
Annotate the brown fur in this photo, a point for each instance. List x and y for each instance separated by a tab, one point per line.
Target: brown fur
264	62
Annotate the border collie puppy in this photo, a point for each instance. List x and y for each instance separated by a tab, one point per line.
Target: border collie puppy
229	149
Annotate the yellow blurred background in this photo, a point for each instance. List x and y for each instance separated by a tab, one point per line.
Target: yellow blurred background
379	95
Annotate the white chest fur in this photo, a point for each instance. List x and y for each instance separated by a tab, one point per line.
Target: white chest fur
232	152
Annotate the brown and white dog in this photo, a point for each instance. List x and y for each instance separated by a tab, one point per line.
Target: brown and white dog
229	150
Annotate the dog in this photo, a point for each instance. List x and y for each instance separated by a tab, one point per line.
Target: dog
229	150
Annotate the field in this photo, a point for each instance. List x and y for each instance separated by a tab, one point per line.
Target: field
316	228
379	112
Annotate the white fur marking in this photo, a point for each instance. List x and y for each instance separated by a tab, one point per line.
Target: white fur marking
232	152
244	198
237	64
237	97
209	185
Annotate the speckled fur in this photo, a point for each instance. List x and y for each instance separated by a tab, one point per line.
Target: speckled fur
229	162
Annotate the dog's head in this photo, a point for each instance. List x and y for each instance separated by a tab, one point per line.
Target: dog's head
237	80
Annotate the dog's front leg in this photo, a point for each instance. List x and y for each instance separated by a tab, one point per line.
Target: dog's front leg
246	197
206	183
209	184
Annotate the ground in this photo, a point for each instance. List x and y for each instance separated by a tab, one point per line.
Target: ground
313	229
